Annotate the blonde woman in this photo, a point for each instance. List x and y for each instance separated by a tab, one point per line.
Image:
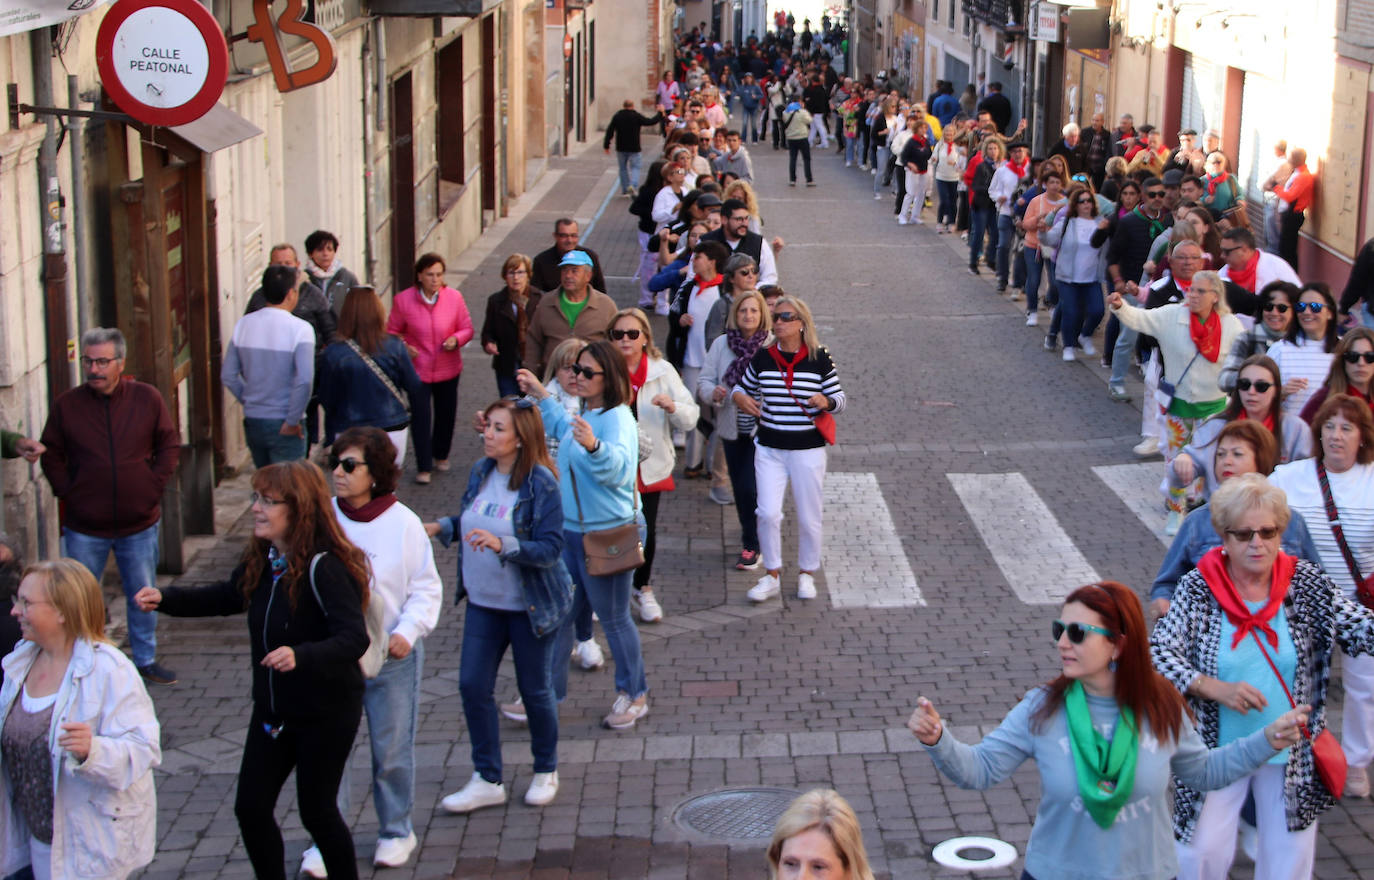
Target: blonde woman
78	737
788	386
818	836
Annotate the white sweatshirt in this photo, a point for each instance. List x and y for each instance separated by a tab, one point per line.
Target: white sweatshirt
404	577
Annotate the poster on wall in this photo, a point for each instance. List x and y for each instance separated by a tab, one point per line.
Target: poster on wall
18	16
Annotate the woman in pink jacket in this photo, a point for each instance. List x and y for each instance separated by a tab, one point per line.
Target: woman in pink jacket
433	321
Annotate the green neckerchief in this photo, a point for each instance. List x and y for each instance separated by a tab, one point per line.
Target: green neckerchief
1156	226
1106	771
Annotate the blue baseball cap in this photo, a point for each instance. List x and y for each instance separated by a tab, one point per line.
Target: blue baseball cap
575	258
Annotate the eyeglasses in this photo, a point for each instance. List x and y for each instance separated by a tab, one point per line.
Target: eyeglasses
785	317
102	363
349	464
1259	384
1155	194
624	334
1354	357
23	605
1281	308
1315	307
1245	536
748	270
579	370
259	498
1077	631
517	271
1225	251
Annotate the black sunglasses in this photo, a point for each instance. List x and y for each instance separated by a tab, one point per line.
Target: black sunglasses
579	370
624	334
1258	384
1245	536
1315	307
1155	194
1077	631
349	464
784	317
1354	357
1281	308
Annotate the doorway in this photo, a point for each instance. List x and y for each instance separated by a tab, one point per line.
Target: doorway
402	184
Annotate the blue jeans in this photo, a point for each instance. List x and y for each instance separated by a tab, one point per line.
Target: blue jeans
981	220
749	125
136	556
1034	264
850	147
1082	307
609	597
880	163
269	445
739	460
1006	235
1121	356
486	635
506	386
949	195
629	169
392	703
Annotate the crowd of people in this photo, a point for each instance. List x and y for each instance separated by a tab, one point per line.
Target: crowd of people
1257	383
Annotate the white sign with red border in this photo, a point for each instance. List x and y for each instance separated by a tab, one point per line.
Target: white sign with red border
164	62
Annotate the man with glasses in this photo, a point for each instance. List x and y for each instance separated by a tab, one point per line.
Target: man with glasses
111	447
1126	256
566	237
734	233
1248	267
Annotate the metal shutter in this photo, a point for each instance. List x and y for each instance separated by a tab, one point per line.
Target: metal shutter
1204	85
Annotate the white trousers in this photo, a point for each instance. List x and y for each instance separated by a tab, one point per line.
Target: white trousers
818	131
398	439
1357	712
1151	416
915	199
40	859
1283	854
694	447
805	470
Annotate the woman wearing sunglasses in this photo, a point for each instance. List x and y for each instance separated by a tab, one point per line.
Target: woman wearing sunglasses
1104	798
1352	371
405	581
1344	434
787	386
661	404
1250	633
1305	353
1257	396
598	458
1273	314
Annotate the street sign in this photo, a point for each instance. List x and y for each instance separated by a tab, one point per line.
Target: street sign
165	62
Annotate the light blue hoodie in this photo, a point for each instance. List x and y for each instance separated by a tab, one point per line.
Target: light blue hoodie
605	478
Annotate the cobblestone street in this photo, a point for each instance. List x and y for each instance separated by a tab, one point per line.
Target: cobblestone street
977	480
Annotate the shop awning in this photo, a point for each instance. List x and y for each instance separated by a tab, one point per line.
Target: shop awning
453	8
217	129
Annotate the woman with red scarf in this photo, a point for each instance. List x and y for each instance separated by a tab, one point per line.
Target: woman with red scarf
1223	193
1249	634
1192	336
1352	372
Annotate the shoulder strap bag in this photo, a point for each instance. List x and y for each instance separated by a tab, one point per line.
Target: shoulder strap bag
1364	589
1165	393
609	551
1327	754
379	373
378	640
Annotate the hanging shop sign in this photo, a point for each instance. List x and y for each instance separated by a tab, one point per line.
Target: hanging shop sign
164	62
1044	22
18	16
268	32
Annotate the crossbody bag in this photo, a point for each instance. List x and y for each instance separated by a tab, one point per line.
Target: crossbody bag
1167	391
1364	589
1327	754
609	551
379	373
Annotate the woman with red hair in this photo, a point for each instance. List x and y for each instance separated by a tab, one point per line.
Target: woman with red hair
1104	799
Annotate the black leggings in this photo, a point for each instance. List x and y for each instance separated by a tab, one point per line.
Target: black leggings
317	749
644	573
433	434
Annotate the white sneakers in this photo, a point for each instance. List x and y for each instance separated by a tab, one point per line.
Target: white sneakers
1357	782
476	794
625	712
393	852
770	585
646	605
1086	343
543	788
1032	319
1146	446
588	655
1068	353
312	864
806	586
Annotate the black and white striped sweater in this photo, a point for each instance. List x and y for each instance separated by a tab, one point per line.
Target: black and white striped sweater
786	421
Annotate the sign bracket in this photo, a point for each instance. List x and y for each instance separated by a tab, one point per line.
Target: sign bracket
18	109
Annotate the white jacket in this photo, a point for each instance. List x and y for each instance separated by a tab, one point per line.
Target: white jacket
657	423
1169	325
1003	187
105	808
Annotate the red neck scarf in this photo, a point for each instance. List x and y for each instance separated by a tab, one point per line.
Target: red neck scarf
1246	276
705	283
1183	285
1019	169
1206	335
1214	182
1212	566
1267	421
637	378
788	368
369	511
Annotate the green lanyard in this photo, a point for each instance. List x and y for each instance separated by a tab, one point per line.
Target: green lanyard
1106	771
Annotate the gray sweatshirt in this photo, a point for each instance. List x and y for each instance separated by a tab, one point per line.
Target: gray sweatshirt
1065	842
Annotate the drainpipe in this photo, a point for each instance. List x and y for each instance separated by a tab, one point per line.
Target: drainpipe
76	130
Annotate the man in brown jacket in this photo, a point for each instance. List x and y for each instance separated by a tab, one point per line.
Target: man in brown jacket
578	309
111	448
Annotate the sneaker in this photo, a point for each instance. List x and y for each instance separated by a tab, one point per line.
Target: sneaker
1001	287
1106	362
312	864
791	183
1086	343
441	464
767	587
973	270
721	496
646	605
1051	342
393	852
1357	782
1172	523
1118	393
476	794
515	711
1069	353
589	655
963	236
1016	294
1032	319
920	222
423	478
806	586
543	788
748	560
901	221
156	673
849	164
877	197
1146	446
811	183
625	712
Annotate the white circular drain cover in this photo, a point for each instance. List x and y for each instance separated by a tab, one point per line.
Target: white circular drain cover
947	853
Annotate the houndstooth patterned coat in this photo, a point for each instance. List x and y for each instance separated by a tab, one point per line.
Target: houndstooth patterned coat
1185	644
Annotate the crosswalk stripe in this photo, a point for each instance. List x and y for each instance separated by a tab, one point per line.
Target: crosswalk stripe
1036	556
882	577
1137	485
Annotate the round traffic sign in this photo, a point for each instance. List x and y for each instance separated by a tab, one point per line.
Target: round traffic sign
165	62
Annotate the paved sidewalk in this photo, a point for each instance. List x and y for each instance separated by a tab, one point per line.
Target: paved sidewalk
944	380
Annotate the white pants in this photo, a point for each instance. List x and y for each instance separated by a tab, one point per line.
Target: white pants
805	470
40	859
398	439
1283	854
1151	417
693	448
915	199
1357	718
818	130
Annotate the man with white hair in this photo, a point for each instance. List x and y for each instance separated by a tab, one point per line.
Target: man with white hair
1072	148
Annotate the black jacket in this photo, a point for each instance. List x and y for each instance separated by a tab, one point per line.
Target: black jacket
752	244
1130	246
546	274
327	678
816	100
1074	157
624	128
999	108
499	326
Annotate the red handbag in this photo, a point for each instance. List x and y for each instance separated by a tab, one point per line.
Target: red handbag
1327	754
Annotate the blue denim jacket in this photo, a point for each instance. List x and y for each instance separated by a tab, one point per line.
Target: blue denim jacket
1196	536
537	548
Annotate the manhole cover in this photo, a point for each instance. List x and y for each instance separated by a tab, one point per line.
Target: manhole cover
745	815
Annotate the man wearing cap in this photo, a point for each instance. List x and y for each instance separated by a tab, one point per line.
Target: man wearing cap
577	310
1186	157
547	273
1173	188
